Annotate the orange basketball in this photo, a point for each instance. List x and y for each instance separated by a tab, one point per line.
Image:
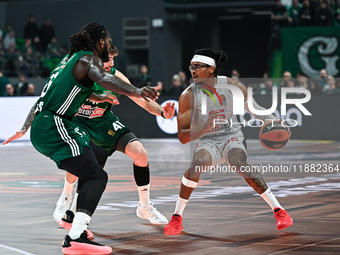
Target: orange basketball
273	135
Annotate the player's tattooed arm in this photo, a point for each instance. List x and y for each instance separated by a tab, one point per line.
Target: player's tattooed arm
93	67
28	122
29	119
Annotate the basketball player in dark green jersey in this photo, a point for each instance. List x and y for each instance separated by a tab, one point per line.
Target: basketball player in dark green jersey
106	131
95	120
53	134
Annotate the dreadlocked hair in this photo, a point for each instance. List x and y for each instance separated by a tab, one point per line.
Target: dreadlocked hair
87	38
218	55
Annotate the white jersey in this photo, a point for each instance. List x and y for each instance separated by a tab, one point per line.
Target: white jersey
228	123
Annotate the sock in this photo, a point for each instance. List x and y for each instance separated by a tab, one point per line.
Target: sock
68	187
80	222
73	207
180	205
144	195
271	200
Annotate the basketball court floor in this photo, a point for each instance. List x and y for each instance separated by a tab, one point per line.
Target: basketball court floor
224	215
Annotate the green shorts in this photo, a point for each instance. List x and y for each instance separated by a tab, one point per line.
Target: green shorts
55	137
103	132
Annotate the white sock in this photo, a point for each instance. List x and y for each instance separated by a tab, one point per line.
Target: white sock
68	187
80	222
144	195
73	207
271	200
180	205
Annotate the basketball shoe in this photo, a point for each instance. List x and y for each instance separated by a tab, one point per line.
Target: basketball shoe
175	225
83	245
150	213
63	204
283	219
67	220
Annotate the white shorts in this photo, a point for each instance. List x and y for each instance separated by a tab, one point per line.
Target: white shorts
219	148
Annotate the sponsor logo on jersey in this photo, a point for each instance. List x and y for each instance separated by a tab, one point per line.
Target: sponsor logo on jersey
87	111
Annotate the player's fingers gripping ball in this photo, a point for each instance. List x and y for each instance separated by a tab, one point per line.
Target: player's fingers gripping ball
274	135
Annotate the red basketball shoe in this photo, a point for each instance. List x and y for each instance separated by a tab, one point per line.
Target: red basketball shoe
283	219
175	225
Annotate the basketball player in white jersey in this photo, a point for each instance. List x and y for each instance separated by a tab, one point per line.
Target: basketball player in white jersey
216	144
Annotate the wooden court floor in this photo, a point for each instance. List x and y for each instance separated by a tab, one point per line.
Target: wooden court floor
224	215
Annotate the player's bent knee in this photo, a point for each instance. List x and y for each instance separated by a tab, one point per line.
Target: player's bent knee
101	179
95	172
237	158
142	154
137	152
199	162
104	177
194	173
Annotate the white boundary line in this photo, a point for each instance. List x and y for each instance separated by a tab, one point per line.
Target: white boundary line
15	249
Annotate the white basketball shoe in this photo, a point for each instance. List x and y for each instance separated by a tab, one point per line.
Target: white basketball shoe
150	213
63	204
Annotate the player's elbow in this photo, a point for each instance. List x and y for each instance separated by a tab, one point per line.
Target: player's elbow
183	138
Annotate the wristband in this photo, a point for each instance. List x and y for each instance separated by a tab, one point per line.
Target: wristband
162	114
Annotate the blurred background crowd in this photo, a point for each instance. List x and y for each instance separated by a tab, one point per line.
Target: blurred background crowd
36	52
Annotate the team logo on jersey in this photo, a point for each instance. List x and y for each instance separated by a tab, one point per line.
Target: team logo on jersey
90	112
223	99
111	132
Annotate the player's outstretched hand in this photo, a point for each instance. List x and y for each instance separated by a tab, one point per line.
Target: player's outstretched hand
148	92
16	136
169	110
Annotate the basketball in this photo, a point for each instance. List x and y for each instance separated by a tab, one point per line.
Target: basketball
273	135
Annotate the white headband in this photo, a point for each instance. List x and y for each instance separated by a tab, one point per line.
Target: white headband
204	59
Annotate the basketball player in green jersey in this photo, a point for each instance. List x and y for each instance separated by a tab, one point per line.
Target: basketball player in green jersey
53	134
97	121
104	129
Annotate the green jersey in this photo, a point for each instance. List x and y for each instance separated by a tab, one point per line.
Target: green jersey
62	94
96	121
52	132
92	110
